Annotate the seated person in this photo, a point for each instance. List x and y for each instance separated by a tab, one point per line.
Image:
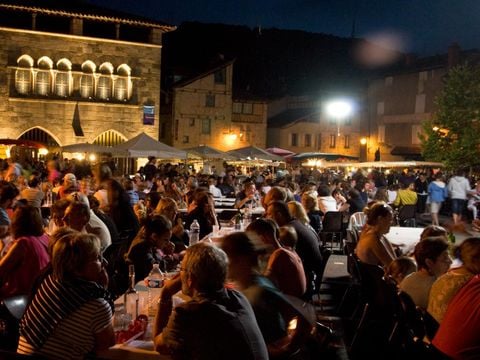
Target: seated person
433	260
458	336
202	209
57	329
447	285
272	309
400	268
284	268
168	207
310	204
372	247
217	324
406	195
26	255
248	196
152	245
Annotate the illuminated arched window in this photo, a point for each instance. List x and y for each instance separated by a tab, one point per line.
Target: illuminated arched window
104	83
43	78
63	78
123	83
110	138
87	80
23	75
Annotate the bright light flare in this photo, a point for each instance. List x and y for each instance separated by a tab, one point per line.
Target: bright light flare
92	157
363	141
42	151
339	109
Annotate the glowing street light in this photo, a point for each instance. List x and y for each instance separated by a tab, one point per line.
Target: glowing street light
339	110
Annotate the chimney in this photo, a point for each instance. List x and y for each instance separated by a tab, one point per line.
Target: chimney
453	55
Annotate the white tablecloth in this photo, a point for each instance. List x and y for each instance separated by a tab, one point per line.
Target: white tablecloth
404	237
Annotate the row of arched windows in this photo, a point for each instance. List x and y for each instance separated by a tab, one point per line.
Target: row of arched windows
44	79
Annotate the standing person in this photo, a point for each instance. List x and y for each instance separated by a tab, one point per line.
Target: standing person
438	193
217	324
458	189
421	188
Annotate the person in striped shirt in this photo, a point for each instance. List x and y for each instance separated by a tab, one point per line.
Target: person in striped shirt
69	316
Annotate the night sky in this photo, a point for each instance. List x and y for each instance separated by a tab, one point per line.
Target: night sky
424	27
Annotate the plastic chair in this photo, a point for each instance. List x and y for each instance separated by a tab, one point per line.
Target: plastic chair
332	232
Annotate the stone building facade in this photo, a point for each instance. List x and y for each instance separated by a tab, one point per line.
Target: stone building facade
89	80
203	111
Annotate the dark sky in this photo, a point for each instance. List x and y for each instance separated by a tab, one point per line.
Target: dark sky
424	27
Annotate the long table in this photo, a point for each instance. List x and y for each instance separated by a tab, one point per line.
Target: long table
404	237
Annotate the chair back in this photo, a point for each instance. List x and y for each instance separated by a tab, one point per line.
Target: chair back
357	221
332	221
16	305
407	212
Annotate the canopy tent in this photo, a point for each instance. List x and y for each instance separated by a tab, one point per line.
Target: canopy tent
142	146
253	153
206	152
324	156
87	148
397	164
280	152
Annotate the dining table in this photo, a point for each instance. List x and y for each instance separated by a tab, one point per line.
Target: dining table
139	347
404	237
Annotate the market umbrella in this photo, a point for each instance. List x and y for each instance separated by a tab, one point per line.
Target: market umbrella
86	147
254	153
325	156
209	153
279	151
142	146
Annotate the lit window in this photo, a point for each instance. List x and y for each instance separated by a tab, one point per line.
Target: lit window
237	108
333	140
191	122
62	84
104	87
121	89
42	82
86	86
248	108
308	140
206	126
23	78
210	100
347	142
186	139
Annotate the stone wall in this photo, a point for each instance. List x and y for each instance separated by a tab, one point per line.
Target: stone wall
19	114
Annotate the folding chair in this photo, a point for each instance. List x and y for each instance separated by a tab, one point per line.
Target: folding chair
332	232
406	216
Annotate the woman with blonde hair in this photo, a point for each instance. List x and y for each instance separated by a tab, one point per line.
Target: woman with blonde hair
310	204
169	208
71	300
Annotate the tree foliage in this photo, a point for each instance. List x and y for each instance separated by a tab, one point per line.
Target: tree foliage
452	136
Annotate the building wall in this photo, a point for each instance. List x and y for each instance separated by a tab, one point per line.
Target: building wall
19	114
228	131
398	105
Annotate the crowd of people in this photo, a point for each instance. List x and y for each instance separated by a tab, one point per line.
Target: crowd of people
71	232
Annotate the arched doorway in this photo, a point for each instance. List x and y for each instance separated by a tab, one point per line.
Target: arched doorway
109	138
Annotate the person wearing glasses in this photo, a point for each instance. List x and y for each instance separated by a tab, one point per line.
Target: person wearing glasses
217	324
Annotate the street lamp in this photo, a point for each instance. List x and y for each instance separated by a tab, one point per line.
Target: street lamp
339	110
